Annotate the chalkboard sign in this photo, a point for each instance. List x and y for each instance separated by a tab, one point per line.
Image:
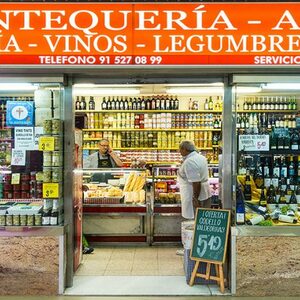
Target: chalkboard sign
210	235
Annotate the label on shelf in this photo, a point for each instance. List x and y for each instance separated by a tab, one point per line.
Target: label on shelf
50	190
254	142
46	143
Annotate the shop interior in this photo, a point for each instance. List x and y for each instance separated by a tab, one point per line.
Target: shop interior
131	216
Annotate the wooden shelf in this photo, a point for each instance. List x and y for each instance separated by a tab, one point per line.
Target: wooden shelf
149	111
153	129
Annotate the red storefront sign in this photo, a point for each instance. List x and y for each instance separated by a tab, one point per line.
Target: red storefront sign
257	34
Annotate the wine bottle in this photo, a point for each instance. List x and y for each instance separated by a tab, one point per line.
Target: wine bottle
247	187
240	207
256	208
263	199
92	103
77	104
257	219
54	214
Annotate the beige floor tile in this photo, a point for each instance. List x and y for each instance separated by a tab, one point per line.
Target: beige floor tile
136	272
117	273
171	272
119	265
88	269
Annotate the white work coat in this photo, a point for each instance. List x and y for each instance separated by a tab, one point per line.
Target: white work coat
193	169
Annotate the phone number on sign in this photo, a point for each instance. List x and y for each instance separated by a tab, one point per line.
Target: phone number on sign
130	60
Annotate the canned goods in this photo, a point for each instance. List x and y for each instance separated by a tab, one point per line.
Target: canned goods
25	194
16	194
47	125
25	177
56	126
7	187
23	220
16	187
7	178
16	220
38	220
56	159
57	143
8	194
25	186
47	159
9	220
56	175
30	220
2	220
47	175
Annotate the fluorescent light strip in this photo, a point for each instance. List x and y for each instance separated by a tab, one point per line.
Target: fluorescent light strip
17	87
105	91
195	90
281	86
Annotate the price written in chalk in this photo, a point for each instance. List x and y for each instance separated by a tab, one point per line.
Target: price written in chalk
46	143
50	190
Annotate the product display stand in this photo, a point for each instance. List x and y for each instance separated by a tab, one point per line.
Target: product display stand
219	274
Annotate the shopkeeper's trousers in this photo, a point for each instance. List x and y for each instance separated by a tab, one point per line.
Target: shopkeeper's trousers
206	203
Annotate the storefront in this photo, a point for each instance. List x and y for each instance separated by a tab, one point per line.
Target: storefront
146	93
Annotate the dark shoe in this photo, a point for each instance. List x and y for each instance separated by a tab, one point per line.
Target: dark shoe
87	250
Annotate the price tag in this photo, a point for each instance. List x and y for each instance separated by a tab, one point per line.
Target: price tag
50	190
15	178
46	143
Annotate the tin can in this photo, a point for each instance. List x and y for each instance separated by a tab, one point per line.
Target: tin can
25	186
9	220
16	220
7	187
57	143
47	159
23	220
8	194
56	126
30	220
16	194
25	194
56	175
2	220
32	176
25	177
47	125
57	159
38	220
47	174
16	187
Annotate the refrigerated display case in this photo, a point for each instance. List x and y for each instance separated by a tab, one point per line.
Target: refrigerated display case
115	206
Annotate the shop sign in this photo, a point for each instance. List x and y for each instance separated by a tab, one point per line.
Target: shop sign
210	235
18	157
50	190
254	142
19	113
24	138
46	143
259	34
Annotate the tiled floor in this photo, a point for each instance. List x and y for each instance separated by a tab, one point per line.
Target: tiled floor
135	271
133	261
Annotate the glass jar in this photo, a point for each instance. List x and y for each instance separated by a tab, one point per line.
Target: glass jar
56	175
56	126
47	174
56	159
47	159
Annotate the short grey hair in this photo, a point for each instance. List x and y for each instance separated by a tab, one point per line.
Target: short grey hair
188	146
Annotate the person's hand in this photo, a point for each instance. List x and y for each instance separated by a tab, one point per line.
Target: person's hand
109	150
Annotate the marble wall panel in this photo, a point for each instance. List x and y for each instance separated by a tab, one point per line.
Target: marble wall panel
29	265
267	266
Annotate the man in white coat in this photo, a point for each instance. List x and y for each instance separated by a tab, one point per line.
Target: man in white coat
193	180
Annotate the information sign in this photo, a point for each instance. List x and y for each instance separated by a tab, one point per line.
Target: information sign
24	138
254	142
50	190
46	143
19	113
210	235
18	157
15	178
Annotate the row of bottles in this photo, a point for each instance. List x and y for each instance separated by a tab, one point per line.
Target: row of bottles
83	104
50	213
262	121
265	169
269	103
155	121
4	99
285	139
154	139
209	104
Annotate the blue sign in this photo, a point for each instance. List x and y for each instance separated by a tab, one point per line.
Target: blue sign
19	113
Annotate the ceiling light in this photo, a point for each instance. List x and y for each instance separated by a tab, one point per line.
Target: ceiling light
105	91
281	86
188	90
248	89
17	87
